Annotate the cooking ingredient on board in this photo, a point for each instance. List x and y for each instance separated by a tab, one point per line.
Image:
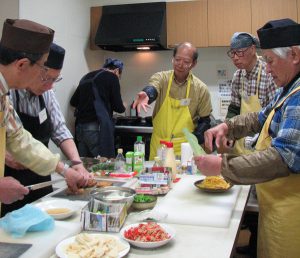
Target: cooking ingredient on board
147	232
94	246
120	161
214	182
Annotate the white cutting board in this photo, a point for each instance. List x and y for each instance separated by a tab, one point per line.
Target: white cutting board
186	204
44	243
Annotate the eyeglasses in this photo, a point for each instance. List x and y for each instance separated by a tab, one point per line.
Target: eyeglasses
45	78
239	52
186	64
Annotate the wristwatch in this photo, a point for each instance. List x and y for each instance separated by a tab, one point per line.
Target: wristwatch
66	166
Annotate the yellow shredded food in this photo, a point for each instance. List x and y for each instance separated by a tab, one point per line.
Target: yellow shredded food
214	182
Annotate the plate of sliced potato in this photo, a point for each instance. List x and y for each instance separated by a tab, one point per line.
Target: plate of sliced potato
213	184
92	245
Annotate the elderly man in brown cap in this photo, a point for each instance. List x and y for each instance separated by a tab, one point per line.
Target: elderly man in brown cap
275	166
40	113
24	48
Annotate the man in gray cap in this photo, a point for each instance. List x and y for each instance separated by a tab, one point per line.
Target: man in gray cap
252	87
40	114
24	48
275	166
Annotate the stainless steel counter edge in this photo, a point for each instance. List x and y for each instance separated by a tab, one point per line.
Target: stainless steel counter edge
133	129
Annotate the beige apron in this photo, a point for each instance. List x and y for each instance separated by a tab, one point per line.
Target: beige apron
248	104
171	118
2	146
279	207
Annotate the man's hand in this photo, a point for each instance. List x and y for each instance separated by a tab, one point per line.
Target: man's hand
218	133
141	101
209	165
76	179
11	190
11	162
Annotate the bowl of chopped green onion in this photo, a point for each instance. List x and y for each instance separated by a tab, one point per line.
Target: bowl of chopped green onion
144	201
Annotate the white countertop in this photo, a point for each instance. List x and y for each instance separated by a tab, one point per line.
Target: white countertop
190	241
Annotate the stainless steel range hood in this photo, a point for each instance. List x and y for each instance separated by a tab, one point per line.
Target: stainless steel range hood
133	27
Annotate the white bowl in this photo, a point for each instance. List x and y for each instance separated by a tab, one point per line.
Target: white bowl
58	209
148	245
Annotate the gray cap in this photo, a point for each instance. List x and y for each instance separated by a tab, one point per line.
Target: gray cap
242	40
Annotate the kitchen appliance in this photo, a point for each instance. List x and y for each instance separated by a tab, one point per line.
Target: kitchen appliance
133	27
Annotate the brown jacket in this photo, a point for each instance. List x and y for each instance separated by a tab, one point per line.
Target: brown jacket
259	167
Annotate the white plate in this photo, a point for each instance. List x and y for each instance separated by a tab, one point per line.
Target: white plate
58	204
60	248
166	228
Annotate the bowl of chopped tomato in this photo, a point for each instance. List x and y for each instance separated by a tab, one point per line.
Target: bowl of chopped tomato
148	235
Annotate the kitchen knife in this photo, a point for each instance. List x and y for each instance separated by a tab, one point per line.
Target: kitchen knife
44	184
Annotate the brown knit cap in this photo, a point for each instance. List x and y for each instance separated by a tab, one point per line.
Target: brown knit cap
26	36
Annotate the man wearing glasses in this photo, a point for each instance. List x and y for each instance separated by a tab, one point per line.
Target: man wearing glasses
24	47
40	114
252	87
182	101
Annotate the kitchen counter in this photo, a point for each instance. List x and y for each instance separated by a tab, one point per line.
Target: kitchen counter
190	241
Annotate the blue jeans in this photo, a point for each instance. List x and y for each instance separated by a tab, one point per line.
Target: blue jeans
88	139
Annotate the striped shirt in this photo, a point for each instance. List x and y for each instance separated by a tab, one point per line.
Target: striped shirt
266	88
29	104
285	126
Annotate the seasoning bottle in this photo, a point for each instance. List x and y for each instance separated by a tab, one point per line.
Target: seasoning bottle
139	146
161	151
120	161
170	159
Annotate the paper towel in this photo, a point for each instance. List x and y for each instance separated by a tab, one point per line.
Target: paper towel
186	153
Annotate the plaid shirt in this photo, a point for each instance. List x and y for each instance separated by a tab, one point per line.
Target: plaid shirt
285	126
30	105
266	88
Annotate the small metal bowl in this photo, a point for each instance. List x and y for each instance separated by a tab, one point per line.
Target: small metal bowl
113	195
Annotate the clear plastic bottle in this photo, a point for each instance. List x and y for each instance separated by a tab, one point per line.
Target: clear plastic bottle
161	151
170	159
139	145
120	161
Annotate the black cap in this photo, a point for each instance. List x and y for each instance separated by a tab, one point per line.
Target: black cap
279	33
56	57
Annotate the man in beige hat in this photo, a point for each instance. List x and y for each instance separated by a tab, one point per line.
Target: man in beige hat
24	48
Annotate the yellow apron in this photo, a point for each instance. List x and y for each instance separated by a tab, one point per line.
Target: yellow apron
2	146
279	207
171	118
249	104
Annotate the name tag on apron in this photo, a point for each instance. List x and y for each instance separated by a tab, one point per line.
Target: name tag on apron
43	116
185	102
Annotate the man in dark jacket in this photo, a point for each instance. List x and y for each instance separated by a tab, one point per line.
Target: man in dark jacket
95	99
